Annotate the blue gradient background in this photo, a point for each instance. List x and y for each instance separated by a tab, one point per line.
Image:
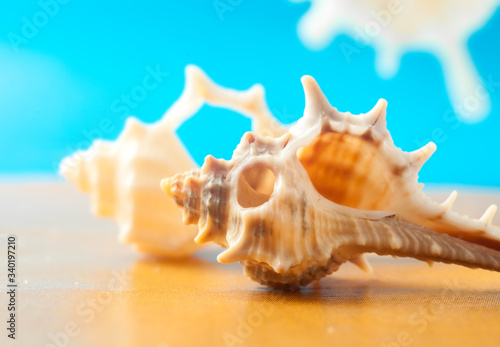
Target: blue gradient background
65	79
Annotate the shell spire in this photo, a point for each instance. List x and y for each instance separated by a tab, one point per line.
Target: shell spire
198	192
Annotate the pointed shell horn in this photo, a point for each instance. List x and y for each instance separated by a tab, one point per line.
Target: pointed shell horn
488	215
418	157
377	114
448	203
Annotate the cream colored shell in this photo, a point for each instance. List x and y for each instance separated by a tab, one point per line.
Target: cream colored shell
123	176
293	209
393	28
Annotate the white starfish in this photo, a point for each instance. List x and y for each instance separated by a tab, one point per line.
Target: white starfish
393	27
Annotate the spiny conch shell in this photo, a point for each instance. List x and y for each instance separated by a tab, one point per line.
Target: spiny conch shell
321	201
123	176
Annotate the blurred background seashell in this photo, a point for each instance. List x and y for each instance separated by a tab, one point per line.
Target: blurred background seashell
123	176
331	189
394	27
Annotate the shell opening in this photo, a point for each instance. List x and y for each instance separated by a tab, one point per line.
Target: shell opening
255	185
342	165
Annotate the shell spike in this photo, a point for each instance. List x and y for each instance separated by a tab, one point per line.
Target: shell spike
361	262
448	203
488	215
196	77
258	98
230	255
377	114
418	157
213	164
133	128
316	101
201	86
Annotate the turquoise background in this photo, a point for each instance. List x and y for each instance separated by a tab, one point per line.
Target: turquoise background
58	86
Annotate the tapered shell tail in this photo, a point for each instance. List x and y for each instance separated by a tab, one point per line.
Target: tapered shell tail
390	236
